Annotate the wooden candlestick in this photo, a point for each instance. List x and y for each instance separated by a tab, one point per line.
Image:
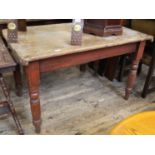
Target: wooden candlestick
77	30
12	34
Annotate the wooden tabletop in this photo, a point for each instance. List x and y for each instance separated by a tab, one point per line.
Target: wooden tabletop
6	60
40	42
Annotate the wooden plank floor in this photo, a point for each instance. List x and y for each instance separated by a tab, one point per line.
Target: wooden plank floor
77	103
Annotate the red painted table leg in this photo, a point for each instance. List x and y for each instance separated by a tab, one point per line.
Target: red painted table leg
33	79
133	72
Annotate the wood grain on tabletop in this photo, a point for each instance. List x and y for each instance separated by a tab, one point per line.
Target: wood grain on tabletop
40	42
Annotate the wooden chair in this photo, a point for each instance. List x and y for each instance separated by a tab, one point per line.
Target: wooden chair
150	61
7	64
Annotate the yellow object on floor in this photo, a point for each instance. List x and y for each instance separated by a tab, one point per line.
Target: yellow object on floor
138	124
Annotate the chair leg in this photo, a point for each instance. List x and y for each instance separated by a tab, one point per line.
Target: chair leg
111	68
149	75
96	67
122	67
18	80
83	68
10	104
139	68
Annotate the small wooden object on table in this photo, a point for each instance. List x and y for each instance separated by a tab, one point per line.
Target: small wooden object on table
103	27
7	64
12	31
77	31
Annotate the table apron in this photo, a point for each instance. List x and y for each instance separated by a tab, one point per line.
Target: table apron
65	61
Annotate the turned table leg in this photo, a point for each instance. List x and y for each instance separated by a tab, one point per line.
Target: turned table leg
18	80
133	71
33	79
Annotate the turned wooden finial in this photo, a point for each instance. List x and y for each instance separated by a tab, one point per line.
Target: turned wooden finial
12	33
77	31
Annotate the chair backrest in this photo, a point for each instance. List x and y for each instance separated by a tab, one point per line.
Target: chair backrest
144	25
6	61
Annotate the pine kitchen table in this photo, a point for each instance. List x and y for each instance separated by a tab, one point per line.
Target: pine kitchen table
47	48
